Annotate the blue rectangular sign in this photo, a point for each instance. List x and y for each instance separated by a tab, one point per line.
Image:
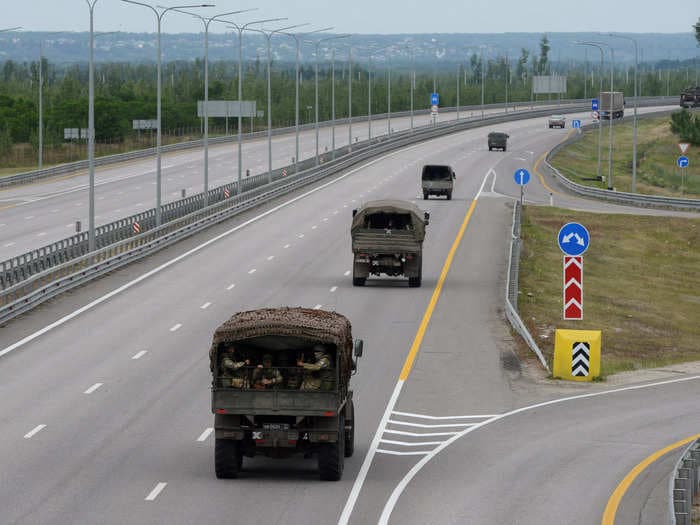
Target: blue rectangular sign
434	99
594	104
576	124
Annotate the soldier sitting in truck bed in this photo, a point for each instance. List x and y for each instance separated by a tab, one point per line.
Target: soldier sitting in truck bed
265	375
233	373
317	375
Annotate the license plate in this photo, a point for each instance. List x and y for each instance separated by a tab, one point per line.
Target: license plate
275	426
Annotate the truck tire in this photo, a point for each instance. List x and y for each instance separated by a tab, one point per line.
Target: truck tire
449	195
425	196
331	456
350	434
414	282
228	458
358	281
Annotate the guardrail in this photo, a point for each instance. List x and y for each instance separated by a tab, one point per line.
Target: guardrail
683	486
511	302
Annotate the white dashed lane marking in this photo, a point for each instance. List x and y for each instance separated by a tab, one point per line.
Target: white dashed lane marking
270	257
93	388
318	307
157	490
205	306
140	354
334	289
347	273
34	431
287	246
230	287
252	271
203	437
176	327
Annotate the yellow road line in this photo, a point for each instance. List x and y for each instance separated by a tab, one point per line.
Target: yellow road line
619	492
436	295
537	171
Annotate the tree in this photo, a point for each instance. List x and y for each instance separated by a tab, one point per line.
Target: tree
542	64
522	63
697	31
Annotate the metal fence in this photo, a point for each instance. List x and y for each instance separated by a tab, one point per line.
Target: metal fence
683	486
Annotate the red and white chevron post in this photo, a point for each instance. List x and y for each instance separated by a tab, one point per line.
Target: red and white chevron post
573	287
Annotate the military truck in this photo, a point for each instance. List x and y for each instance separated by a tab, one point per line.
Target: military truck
498	140
387	238
437	180
302	407
690	97
611	105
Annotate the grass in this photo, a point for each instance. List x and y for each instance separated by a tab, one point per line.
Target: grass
641	278
657	151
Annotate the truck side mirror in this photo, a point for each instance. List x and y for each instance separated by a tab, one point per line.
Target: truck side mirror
454	175
426	218
359	344
354	212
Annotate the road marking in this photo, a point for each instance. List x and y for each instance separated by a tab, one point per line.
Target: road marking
314	227
205	306
41	234
537	171
270	257
409	444
301	235
419	434
394	453
157	490
205	434
421	425
422	416
334	289
93	388
325	219
347	273
140	354
318	307
230	286
3	225
30	217
252	271
176	327
360	479
34	431
8	244
335	212
621	489
287	246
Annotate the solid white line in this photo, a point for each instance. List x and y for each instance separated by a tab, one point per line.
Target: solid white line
334	289
34	431
157	490
443	417
230	286
176	327
205	434
140	354
93	388
394	453
205	306
360	479
408	444
419	434
398	490
420	425
194	250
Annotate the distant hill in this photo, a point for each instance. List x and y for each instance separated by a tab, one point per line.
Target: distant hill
448	48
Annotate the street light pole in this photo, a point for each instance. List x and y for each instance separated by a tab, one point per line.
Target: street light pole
634	134
159	18
350	99
91	129
482	81
600	89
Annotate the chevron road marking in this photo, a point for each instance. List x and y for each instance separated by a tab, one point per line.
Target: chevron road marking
580	363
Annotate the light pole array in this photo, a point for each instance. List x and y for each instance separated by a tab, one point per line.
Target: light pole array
91	130
372	51
481	47
160	13
600	89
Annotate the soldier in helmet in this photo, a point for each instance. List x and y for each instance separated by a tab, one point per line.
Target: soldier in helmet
265	375
232	372
317	375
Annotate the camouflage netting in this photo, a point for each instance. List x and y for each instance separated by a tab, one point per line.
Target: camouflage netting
313	325
391	206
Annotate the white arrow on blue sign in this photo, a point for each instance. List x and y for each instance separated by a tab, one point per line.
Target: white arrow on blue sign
594	104
682	161
434	99
573	239
521	176
576	124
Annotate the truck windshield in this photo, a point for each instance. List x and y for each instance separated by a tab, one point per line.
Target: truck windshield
437	173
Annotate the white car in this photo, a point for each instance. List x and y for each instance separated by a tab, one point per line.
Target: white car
557	121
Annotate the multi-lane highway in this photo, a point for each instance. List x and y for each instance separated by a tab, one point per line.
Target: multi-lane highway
104	392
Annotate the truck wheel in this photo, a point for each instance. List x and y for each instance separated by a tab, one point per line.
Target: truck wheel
358	281
350	436
331	456
504	148
228	458
489	148
449	196
425	196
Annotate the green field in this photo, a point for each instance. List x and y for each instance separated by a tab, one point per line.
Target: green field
657	151
641	278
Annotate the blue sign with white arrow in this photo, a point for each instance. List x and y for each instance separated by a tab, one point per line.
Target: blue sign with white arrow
576	124
594	104
682	161
573	239
521	176
434	99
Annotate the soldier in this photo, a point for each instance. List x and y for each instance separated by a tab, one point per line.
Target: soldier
265	376
318	375
232	372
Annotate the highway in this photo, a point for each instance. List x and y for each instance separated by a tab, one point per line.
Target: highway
105	401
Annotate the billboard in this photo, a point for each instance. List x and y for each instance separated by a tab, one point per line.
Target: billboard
227	108
549	84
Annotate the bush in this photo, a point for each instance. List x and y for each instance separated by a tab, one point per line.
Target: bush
686	126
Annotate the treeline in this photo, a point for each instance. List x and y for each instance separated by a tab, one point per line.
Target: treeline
125	92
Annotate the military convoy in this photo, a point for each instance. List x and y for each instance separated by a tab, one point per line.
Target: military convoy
437	180
690	97
387	238
281	386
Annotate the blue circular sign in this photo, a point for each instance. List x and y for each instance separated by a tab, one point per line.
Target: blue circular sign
682	161
521	176
573	239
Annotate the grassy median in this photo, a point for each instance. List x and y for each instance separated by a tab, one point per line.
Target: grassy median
657	151
641	280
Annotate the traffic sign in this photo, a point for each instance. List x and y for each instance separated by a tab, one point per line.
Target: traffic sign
684	147
580	359
521	176
682	161
595	115
434	99
594	104
573	239
576	124
573	288
434	108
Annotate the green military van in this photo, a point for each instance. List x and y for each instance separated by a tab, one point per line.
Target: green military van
437	180
498	140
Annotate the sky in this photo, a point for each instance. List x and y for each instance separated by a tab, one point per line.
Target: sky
369	16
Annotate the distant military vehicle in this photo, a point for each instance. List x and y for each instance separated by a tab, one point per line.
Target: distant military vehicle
437	180
498	140
387	238
690	97
611	104
281	386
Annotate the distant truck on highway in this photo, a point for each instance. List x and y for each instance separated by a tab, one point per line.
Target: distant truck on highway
437	180
281	386
387	238
611	103
690	97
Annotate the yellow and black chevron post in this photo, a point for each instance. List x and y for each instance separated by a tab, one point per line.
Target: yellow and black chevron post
577	354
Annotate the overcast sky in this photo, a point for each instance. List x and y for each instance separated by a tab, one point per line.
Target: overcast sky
372	16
